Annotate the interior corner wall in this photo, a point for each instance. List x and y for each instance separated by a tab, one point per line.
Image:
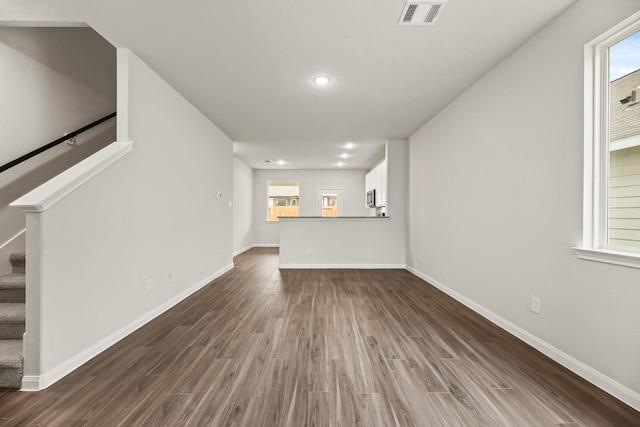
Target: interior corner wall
137	237
54	80
496	203
396	209
242	206
351	182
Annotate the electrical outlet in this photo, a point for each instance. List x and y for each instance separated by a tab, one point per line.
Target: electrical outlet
149	285
535	305
309	250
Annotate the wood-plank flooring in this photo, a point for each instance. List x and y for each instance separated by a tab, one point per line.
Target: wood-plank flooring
267	347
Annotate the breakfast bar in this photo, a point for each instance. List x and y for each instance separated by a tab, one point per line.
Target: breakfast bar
339	242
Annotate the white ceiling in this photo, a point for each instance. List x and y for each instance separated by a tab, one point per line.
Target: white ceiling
248	65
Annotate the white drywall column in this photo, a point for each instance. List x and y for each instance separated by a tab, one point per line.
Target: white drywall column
242	206
396	155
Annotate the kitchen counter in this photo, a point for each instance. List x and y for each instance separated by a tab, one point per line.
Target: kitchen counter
333	217
339	242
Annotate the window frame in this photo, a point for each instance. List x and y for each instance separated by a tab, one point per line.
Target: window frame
287	199
269	198
595	245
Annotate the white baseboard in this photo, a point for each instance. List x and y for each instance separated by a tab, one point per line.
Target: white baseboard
258	245
40	382
344	266
595	377
240	251
265	245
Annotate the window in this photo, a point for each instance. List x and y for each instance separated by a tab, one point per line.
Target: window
283	199
612	147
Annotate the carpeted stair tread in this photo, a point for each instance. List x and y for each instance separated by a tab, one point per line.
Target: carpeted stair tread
12	288
11	354
17	257
12	281
17	261
12	312
12	323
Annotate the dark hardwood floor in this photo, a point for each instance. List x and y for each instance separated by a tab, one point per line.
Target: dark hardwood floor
263	347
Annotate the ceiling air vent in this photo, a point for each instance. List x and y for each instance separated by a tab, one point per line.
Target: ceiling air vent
421	12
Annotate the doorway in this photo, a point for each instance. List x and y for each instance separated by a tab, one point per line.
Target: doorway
330	202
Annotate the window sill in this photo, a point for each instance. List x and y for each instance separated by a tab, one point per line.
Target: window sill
625	259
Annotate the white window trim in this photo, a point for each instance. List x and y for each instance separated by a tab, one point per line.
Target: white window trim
596	150
276	221
319	192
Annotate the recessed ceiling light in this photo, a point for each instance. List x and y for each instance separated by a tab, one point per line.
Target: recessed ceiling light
321	80
349	146
344	155
281	162
340	164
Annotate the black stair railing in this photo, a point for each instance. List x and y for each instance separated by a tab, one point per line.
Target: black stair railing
54	143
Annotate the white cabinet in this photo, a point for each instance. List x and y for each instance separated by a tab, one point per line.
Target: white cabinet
383	184
377	176
376	179
369	182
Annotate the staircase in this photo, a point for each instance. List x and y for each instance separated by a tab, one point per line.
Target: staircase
12	315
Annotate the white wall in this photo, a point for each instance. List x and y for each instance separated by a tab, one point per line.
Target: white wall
151	214
242	206
496	205
396	209
350	181
54	80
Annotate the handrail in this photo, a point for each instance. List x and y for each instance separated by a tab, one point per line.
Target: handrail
54	143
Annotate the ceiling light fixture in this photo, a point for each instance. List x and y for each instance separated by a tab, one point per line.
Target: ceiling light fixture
340	164
349	146
344	155
281	162
321	80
